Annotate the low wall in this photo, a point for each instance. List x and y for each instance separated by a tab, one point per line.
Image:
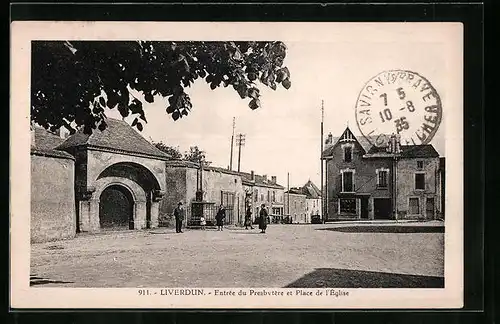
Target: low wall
52	197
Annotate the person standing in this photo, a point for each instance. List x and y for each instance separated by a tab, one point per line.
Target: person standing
179	217
248	218
263	219
219	218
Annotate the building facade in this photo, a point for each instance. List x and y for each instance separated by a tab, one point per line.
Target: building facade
261	190
313	200
295	206
390	182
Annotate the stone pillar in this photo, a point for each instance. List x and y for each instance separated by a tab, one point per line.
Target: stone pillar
84	215
155	208
140	215
94	222
371	210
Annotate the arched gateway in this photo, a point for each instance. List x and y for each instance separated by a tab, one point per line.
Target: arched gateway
119	178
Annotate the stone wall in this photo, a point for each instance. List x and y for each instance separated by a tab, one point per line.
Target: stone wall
52	198
216	182
407	168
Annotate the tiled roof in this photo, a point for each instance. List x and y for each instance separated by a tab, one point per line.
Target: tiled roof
259	181
407	151
362	140
118	136
311	190
296	191
45	142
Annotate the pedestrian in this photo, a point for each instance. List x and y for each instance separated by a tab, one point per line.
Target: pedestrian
221	215
263	219
179	217
203	222
248	218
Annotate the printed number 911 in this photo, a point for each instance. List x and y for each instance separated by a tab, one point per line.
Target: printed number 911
144	292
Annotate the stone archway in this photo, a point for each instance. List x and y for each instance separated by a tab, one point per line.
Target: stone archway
116	208
136	191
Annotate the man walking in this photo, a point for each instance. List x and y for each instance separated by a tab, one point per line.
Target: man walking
179	217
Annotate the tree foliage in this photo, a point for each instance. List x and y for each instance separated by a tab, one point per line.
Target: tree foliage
72	82
172	151
195	155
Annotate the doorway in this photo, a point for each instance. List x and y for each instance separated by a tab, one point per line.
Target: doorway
429	208
116	206
382	208
364	207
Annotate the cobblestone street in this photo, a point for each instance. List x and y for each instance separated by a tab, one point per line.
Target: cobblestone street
332	255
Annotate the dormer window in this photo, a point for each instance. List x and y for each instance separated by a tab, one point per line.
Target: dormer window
420	165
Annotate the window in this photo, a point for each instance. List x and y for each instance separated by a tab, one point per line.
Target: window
256	195
348	205
382	178
262	197
347	181
268	196
274	196
347	154
419	181
414	206
420	165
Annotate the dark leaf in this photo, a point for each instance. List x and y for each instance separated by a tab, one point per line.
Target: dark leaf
149	97
254	104
135	122
139	126
170	109
176	115
102	126
286	83
102	101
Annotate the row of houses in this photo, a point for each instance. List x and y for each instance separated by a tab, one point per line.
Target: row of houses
116	179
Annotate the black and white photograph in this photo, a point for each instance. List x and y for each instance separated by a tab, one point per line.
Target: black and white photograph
191	165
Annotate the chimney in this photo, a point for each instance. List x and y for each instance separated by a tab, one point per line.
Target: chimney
329	139
63	133
273	179
252	176
265	177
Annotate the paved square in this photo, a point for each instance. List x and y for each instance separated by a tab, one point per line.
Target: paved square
331	255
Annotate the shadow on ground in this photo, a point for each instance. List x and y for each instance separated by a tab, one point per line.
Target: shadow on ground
36	281
342	278
385	229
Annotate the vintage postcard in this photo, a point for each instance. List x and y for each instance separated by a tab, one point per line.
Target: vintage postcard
236	165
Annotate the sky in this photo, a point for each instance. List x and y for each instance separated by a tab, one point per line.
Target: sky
283	136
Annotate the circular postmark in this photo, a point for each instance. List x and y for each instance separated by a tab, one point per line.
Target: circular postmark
398	102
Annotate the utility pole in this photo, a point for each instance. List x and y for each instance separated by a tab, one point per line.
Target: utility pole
232	141
323	215
240	141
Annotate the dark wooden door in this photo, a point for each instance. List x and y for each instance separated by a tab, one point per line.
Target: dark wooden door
116	208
